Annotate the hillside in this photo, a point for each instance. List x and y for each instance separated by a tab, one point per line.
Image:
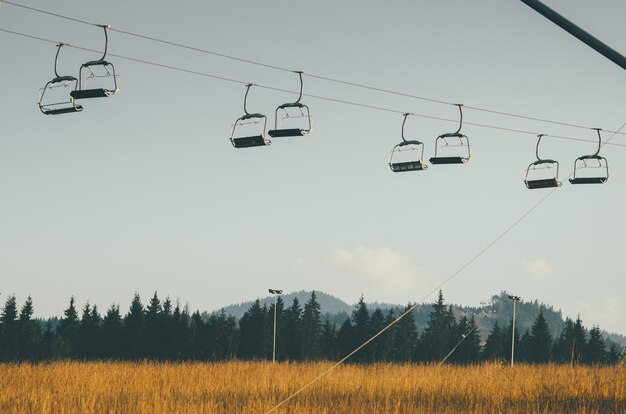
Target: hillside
498	308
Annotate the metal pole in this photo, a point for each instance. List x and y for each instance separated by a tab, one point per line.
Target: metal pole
577	32
274	346
513	335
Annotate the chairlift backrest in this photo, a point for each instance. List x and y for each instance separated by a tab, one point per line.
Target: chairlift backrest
463	141
282	112
94	69
64	106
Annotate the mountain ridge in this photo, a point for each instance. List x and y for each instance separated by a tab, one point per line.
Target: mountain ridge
498	308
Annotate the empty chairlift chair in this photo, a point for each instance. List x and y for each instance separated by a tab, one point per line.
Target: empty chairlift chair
97	77
449	141
50	101
594	161
247	140
543	173
408	155
296	114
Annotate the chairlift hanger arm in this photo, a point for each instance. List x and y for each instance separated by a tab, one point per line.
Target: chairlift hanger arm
297	102
56	59
106	40
406	115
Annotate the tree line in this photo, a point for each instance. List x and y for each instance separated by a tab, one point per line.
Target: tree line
162	330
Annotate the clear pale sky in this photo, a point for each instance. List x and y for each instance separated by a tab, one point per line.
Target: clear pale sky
143	192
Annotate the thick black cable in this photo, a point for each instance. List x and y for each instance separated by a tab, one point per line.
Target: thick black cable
325	78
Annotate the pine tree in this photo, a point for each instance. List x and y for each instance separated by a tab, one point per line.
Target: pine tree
88	333
29	332
614	353
68	332
439	336
292	326
197	349
387	346
154	329
579	341
329	340
405	338
596	348
376	347
540	340
112	334
311	329
253	331
345	339
524	354
9	329
563	348
494	349
134	330
361	330
227	336
468	350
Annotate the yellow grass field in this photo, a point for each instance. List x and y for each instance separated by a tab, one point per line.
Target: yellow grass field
257	387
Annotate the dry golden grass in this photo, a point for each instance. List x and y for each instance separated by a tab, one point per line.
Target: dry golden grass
256	387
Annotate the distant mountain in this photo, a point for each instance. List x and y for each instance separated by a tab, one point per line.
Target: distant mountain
499	308
329	304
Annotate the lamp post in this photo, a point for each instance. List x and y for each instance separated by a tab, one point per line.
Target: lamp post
276	293
514	299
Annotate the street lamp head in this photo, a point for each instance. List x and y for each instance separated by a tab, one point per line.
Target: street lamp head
512	297
275	291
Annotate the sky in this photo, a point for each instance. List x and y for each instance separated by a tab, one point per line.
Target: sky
143	192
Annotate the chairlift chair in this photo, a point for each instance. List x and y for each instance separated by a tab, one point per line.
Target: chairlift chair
97	69
257	140
442	142
549	182
292	111
597	162
58	107
414	163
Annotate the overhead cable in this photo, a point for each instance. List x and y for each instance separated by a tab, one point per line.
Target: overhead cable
325	78
320	97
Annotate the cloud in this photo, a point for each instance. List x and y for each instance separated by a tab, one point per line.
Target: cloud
381	269
535	270
607	314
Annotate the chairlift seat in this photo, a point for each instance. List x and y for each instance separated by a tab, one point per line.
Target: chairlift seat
289	132
591	180
59	111
91	93
542	183
407	166
448	160
588	180
250	141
